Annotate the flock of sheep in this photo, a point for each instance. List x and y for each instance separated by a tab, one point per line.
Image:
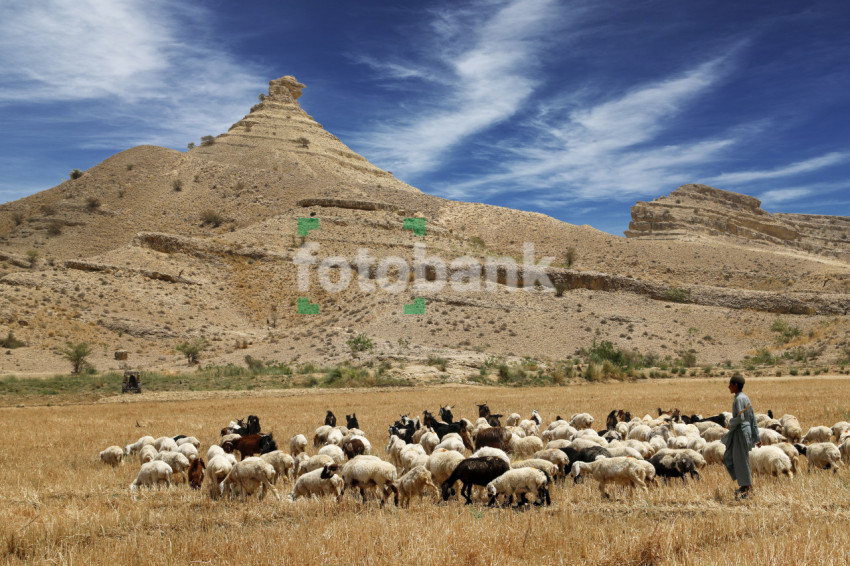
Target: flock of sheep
518	460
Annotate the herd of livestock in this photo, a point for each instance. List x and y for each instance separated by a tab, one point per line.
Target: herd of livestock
518	459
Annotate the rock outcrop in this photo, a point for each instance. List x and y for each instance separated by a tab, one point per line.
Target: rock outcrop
702	210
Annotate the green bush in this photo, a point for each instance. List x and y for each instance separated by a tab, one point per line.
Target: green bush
677	295
78	355
212	218
192	349
607	351
207	140
75	174
10	342
785	331
360	343
439	363
763	357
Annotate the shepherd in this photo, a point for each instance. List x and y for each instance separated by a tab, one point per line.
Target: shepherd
741	438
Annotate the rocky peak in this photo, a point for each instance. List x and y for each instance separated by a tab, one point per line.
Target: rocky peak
285	89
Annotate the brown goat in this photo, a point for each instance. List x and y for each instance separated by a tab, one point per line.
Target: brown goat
196	473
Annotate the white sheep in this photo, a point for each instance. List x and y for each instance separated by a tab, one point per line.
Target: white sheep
713	452
370	472
413	483
189	440
817	434
299	460
840	428
623	471
320	436
714	433
770	460
640	432
214	451
562	432
313	463
557	457
657	443
822	455
492	451
621	450
248	476
335	436
556	423
581	421
152	474
281	462
844	449
412	453
394	448
177	461
334	452
559	443
517	431
791	428
768	436
188	449
136	446
441	464
147	454
297	444
320	482
524	447
792	453
544	466
520	482
165	444
429	440
114	456
530	427
644	448
513	419
451	441
217	469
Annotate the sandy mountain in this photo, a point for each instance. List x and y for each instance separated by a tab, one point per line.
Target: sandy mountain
122	258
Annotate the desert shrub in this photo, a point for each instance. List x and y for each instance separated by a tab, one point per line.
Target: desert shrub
593	372
92	204
190	145
439	363
607	351
763	357
360	343
254	364
130	166
75	174
54	227
10	342
559	289
32	257
570	256
177	185
207	140
677	295
687	359
47	209
785	332
78	355
18	218
477	241
304	142
192	349
212	218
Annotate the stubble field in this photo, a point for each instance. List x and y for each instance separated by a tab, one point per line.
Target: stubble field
60	505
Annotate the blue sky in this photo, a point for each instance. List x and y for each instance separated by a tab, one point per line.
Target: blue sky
573	109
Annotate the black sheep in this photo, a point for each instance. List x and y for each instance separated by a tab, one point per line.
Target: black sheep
351	421
674	466
330	419
588	454
474	471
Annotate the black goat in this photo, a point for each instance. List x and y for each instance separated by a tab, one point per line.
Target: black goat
473	471
674	466
493	420
718	419
351	421
330	419
483	411
253	426
442	429
616	416
446	414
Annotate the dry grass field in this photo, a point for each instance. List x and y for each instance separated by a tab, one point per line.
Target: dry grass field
60	505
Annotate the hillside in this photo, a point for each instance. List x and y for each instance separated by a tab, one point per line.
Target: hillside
154	246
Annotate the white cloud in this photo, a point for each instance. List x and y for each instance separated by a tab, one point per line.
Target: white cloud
485	82
148	66
782	195
742	177
603	150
